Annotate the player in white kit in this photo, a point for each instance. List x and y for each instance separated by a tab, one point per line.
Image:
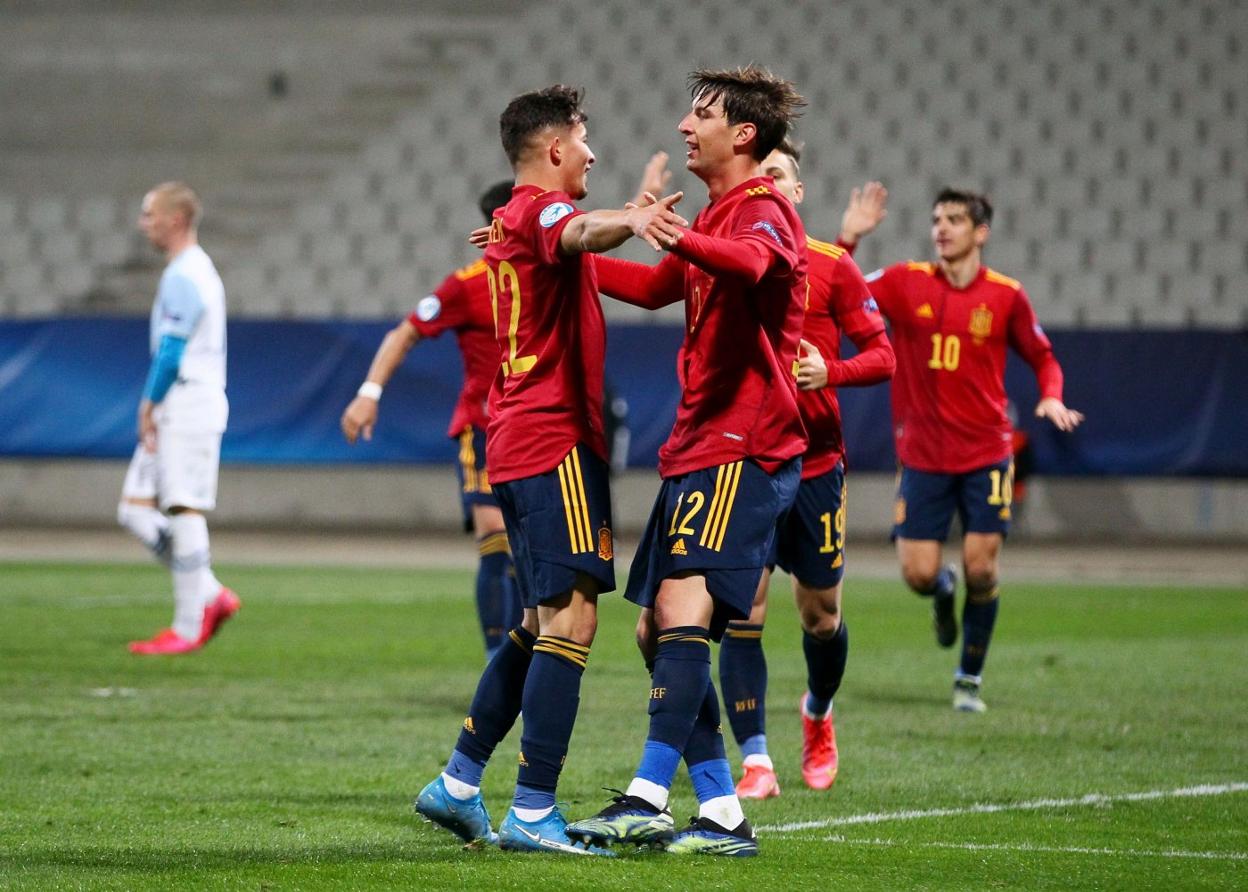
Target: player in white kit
172	479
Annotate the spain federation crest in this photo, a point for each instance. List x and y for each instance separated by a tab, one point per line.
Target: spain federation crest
981	321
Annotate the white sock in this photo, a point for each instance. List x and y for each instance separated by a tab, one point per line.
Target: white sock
149	526
192	574
723	810
759	759
457	788
649	791
529	815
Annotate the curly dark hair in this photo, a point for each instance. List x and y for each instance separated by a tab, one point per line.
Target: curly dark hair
530	113
752	94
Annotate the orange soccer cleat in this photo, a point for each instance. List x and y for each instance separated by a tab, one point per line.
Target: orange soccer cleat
819	756
758	782
219	609
166	641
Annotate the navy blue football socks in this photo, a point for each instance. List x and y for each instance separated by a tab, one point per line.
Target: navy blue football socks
979	615
494	708
825	667
944	585
552	694
678	692
743	677
494	589
704	753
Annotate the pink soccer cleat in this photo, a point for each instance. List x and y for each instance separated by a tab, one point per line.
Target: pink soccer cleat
166	641
819	756
758	782
219	609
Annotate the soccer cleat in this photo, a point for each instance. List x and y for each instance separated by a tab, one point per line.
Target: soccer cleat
944	622
966	696
819	756
466	818
704	837
219	609
758	782
626	819
166	641
550	834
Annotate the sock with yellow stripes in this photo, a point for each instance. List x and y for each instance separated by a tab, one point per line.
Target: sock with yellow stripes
979	615
494	707
552	694
682	675
493	590
743	677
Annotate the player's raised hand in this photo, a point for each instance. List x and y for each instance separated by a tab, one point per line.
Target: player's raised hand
480	237
868	206
358	419
654	178
1055	410
812	371
654	221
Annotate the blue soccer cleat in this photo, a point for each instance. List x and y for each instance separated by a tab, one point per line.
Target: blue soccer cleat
550	834
704	837
466	818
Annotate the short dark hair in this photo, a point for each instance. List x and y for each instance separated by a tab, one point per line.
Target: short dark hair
977	204
495	197
754	95
530	113
793	148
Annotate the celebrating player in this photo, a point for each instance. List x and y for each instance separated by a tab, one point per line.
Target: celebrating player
951	323
810	541
172	478
732	463
460	304
546	454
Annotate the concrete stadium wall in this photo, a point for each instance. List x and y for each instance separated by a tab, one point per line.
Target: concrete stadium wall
83	493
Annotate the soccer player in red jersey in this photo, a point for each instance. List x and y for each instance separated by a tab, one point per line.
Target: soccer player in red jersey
732	463
460	304
810	541
951	322
546	454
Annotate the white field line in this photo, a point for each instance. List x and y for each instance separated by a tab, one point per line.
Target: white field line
992	808
1063	850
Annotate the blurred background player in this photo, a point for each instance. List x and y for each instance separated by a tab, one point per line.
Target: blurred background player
460	304
547	458
951	322
731	465
810	540
172	478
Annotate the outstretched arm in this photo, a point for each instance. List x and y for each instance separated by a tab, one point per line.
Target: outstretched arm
867	208
635	283
360	416
602	230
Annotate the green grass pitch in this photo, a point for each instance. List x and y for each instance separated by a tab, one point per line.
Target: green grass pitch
286	754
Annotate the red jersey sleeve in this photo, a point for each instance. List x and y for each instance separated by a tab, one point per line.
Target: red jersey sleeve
446	308
635	283
884	285
552	211
858	315
1029	339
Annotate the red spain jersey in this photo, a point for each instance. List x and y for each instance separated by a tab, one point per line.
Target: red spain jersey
738	395
551	340
837	300
949	390
462	304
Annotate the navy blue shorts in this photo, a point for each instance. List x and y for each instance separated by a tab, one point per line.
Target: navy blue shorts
926	502
810	539
559	525
474	482
719	523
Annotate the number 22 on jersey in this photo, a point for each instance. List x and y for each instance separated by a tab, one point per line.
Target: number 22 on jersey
506	280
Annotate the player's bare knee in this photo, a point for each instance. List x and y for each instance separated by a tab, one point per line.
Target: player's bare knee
821	623
981	587
919	578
